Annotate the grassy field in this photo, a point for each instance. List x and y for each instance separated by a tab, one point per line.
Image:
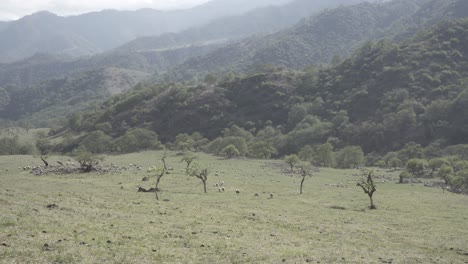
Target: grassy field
101	218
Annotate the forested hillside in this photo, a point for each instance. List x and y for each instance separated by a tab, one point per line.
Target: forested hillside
330	35
259	21
48	103
386	95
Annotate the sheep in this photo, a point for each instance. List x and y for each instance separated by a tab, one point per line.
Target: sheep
271	195
219	190
237	191
222	189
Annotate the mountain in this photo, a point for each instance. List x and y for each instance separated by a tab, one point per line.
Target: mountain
158	54
95	32
319	39
384	96
262	21
49	102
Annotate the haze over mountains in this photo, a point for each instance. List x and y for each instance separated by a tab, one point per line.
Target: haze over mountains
95	32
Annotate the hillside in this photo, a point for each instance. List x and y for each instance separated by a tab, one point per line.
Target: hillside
158	54
95	32
263	21
320	39
386	92
48	103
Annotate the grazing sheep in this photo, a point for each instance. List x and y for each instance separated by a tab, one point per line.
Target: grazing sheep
271	195
237	191
222	189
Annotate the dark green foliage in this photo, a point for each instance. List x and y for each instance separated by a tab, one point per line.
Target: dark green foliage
350	157
416	167
261	150
137	139
97	142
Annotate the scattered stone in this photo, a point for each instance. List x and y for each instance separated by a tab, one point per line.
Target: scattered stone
145	179
46	247
5	245
83	243
154	250
52	206
44	232
140	189
194	233
108	241
166	200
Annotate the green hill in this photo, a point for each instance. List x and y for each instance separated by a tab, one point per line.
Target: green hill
319	39
386	95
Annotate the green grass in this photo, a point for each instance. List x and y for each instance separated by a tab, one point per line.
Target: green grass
326	224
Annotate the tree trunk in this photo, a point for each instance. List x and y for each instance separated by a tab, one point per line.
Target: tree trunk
204	186
292	168
372	206
156	191
45	162
302	182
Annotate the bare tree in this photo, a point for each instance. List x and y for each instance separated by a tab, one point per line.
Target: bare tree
369	187
163	159
188	158
305	171
45	162
160	172
200	173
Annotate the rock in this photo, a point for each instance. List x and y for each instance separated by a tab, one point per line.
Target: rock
109	242
5	245
52	206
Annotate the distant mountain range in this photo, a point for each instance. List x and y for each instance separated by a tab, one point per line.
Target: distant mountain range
319	39
160	53
96	32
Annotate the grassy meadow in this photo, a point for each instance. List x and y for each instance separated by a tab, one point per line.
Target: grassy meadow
101	218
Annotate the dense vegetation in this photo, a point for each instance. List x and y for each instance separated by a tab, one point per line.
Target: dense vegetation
324	38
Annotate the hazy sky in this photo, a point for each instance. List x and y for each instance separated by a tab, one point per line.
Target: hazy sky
14	9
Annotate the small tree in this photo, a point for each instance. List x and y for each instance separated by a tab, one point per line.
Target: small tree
435	164
159	172
404	175
163	159
305	171
292	160
87	160
200	173
230	151
188	158
369	188
444	173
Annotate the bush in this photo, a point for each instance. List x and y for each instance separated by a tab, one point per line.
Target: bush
136	140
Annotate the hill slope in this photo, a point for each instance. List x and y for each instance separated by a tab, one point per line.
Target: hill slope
384	96
261	20
319	39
